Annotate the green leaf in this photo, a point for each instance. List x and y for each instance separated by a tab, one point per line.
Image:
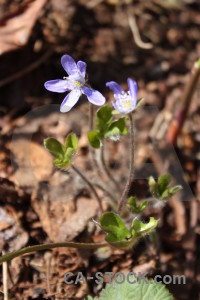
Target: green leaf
117	128
140	229
154	188
143	290
71	141
54	147
94	139
137	209
103	119
105	113
69	153
175	189
164	182
116	229
117	233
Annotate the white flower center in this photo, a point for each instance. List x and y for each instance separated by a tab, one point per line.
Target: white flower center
76	80
125	100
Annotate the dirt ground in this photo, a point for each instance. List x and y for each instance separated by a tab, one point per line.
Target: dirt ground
154	42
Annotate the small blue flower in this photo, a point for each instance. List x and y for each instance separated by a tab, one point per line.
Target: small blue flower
75	83
125	102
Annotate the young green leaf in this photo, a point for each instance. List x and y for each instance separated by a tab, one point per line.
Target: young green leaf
103	119
137	209
54	147
105	113
94	139
62	163
154	188
164	182
140	229
115	227
63	154
160	189
71	141
175	189
117	233
117	128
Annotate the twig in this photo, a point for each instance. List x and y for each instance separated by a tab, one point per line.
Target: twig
135	31
181	114
9	256
131	168
5	280
26	70
89	183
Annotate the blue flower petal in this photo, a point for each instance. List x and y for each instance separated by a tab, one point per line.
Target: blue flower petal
115	87
82	67
70	100
69	64
57	85
132	85
93	96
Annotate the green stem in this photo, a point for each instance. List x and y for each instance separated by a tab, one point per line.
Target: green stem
131	168
30	249
106	170
91	186
92	151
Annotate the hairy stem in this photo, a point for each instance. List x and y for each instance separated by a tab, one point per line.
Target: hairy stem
30	249
131	168
92	151
91	186
106	169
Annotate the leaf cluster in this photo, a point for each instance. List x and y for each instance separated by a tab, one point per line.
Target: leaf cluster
63	153
106	127
161	189
118	235
137	209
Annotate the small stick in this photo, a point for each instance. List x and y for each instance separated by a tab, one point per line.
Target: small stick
26	70
134	29
181	114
